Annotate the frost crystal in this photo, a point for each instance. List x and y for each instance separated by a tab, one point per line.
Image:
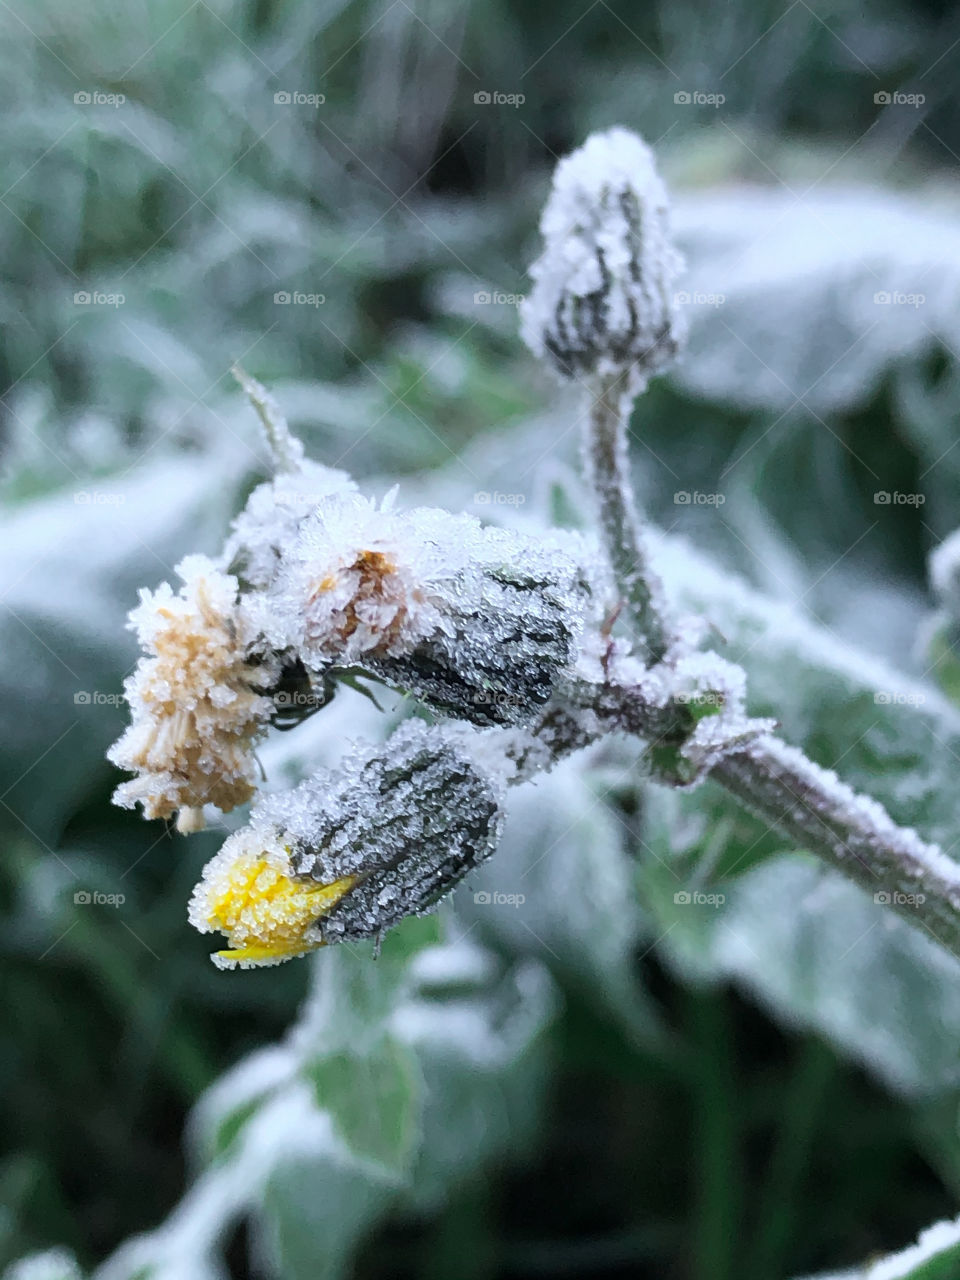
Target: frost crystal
478	622
351	851
195	700
272	517
706	696
360	580
602	301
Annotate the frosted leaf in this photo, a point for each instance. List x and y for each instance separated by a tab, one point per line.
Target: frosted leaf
602	300
195	702
52	1264
351	851
932	1245
780	288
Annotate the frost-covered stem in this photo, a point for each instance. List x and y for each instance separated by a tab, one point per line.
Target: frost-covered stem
609	475
849	832
810	805
286	449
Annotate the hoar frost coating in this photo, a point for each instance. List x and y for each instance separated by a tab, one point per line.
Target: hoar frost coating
352	851
478	622
272	517
196	710
602	300
359	579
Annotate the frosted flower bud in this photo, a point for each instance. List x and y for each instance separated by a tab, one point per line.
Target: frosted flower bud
272	517
479	622
602	299
352	851
196	700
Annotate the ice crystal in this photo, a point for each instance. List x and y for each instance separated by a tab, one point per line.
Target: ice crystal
361	579
272	517
196	701
602	301
351	851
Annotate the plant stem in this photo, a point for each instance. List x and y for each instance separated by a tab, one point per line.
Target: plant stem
608	471
778	783
809	805
286	449
850	832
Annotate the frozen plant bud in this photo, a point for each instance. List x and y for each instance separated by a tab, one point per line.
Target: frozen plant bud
195	700
602	300
273	515
352	851
479	622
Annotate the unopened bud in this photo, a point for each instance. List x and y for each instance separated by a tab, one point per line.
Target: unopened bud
602	301
351	851
480	623
509	636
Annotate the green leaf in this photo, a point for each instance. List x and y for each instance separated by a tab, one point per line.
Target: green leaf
312	1214
374	1099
